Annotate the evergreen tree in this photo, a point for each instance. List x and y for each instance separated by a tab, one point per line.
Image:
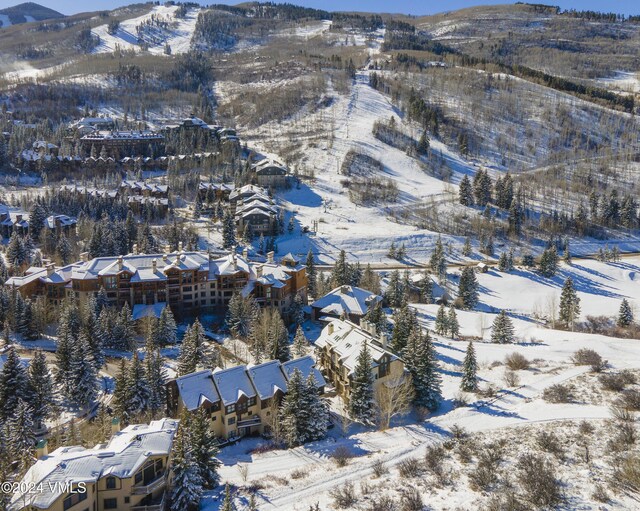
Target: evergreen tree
156	378
391	254
293	417
204	447
404	322
192	350
139	392
187	483
422	363
340	275
37	217
40	385
569	304
503	262
27	326
227	503
425	288
370	280
122	393
16	254
83	388
466	249
63	248
549	262
241	314
278	345
166	329
376	316
465	193
442	321
21	436
502	329
14	384
318	411
437	262
469	381
300	343
296	311
228	230
311	275
567	253
625	315
468	288
126	332
395	294
361	403
452	323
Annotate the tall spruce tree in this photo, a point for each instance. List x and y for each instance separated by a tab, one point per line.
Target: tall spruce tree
122	393
21	436
437	262
422	363
468	288
404	321
156	377
465	193
395	293
40	387
205	448
14	383
469	382
361	402
294	418
452	321
549	262
83	389
442	320
569	304
187	483
625	314
300	343
502	329
138	386
166	329
192	350
228	230
341	273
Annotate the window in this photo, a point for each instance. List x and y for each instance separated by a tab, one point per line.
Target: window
384	367
73	499
232	420
110	283
111	483
158	465
110	504
138	477
252	401
231	409
126	500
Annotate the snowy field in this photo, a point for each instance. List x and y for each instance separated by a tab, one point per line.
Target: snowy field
177	35
298	478
623	81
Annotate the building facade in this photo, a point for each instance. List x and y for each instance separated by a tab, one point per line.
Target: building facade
337	351
129	473
185	281
241	400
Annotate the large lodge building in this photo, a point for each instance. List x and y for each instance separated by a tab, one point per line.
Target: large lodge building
186	281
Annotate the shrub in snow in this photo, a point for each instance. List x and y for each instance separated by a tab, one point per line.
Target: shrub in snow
537	478
616	382
511	378
341	455
549	442
627	475
558	393
344	496
409	468
516	361
631	399
434	460
411	500
379	468
589	357
383	503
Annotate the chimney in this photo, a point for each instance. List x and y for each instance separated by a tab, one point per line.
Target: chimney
115	425
234	259
135	249
165	258
259	271
382	338
330	328
42	449
50	269
245	253
167	248
120	262
270	257
180	246
84	256
154	265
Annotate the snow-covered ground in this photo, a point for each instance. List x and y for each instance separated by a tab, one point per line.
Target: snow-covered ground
178	35
298	478
4	21
624	81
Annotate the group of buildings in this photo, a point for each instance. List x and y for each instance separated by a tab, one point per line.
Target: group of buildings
14	220
187	282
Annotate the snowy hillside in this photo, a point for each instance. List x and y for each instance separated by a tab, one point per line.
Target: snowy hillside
157	28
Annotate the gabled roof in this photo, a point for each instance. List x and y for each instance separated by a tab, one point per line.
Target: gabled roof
125	453
347	299
267	378
197	388
232	384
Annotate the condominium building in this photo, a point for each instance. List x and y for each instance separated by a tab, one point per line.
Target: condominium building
338	347
129	473
186	281
240	400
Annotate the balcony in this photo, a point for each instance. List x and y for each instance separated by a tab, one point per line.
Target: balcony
156	484
252	421
155	505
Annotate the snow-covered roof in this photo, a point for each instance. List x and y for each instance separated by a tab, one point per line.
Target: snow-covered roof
143	186
306	365
122	135
63	220
126	452
246	191
197	388
269	167
233	383
267	378
141	310
346	339
347	299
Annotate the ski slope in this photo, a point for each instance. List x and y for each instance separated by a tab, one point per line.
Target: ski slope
178	35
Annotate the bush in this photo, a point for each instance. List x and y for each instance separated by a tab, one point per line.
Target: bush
434	459
558	393
409	468
485	476
600	494
550	443
538	481
379	468
299	473
384	503
616	382
344	496
588	357
627	475
516	361
508	501
411	500
586	428
341	455
631	399
511	378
